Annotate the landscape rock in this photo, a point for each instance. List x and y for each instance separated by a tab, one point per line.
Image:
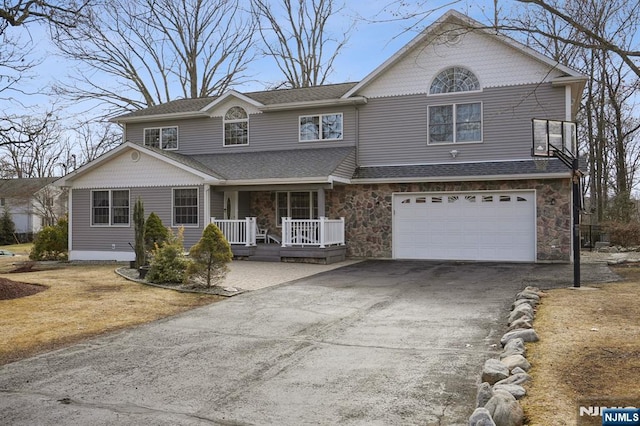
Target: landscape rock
513	347
481	417
516	390
519	302
532	289
528	335
494	371
504	409
485	392
518	370
521	311
520	323
515	379
513	361
528	295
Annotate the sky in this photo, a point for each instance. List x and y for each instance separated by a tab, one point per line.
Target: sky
376	37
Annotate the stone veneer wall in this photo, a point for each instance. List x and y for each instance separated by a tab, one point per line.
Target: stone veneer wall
367	212
368	220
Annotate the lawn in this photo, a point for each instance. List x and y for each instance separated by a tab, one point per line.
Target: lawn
588	354
80	301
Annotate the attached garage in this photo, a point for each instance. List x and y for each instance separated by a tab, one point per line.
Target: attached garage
477	226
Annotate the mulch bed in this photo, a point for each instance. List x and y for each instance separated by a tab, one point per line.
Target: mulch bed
13	289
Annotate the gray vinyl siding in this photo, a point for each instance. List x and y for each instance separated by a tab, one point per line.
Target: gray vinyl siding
393	130
157	199
267	131
217	203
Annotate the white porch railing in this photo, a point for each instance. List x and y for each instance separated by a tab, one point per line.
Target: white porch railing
241	231
320	232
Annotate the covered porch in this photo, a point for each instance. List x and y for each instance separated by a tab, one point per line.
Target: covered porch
319	240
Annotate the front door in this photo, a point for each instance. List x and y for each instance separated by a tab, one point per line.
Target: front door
231	205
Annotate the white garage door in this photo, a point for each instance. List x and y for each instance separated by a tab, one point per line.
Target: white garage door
488	226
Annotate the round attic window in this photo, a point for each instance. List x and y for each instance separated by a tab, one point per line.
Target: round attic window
135	156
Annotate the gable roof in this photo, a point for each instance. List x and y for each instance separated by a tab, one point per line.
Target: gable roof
267	99
23	187
458	19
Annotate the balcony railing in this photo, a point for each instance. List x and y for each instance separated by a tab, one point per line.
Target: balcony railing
321	232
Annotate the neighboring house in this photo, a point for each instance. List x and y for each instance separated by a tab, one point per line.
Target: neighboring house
32	202
428	157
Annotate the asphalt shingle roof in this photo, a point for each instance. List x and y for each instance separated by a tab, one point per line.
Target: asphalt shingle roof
267	97
299	163
18	188
524	167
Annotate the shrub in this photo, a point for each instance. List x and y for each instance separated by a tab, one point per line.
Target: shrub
51	243
209	257
168	262
154	232
624	234
7	228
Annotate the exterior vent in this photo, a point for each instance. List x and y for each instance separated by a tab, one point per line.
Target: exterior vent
135	156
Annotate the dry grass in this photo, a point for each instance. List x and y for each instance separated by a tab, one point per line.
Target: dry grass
81	301
589	352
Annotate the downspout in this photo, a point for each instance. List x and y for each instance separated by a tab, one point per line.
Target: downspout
357	136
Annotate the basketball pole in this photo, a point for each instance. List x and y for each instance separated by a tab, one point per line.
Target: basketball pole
575	189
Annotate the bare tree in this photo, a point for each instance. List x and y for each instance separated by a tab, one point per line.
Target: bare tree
31	147
92	139
133	55
297	37
18	12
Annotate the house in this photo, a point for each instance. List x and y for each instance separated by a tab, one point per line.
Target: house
428	157
32	203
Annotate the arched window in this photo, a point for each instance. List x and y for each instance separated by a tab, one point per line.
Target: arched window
236	127
454	79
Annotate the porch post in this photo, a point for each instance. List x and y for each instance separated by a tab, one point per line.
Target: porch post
321	202
343	231
321	230
250	231
286	231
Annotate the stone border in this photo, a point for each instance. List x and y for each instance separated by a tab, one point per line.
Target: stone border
502	379
131	275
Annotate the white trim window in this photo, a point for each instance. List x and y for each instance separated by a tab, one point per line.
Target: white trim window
296	205
185	207
110	207
320	127
236	127
455	123
454	80
161	137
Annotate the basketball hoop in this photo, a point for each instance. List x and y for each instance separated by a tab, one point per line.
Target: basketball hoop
541	158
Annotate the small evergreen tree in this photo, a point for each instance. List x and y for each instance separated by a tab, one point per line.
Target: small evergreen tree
7	228
168	262
138	226
52	242
154	232
210	257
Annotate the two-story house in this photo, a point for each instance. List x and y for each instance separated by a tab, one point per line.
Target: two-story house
428	157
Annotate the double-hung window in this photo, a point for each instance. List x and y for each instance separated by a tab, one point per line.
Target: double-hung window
455	122
297	205
110	207
161	137
185	207
320	127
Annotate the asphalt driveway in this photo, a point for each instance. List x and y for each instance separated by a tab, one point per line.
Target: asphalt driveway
375	343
